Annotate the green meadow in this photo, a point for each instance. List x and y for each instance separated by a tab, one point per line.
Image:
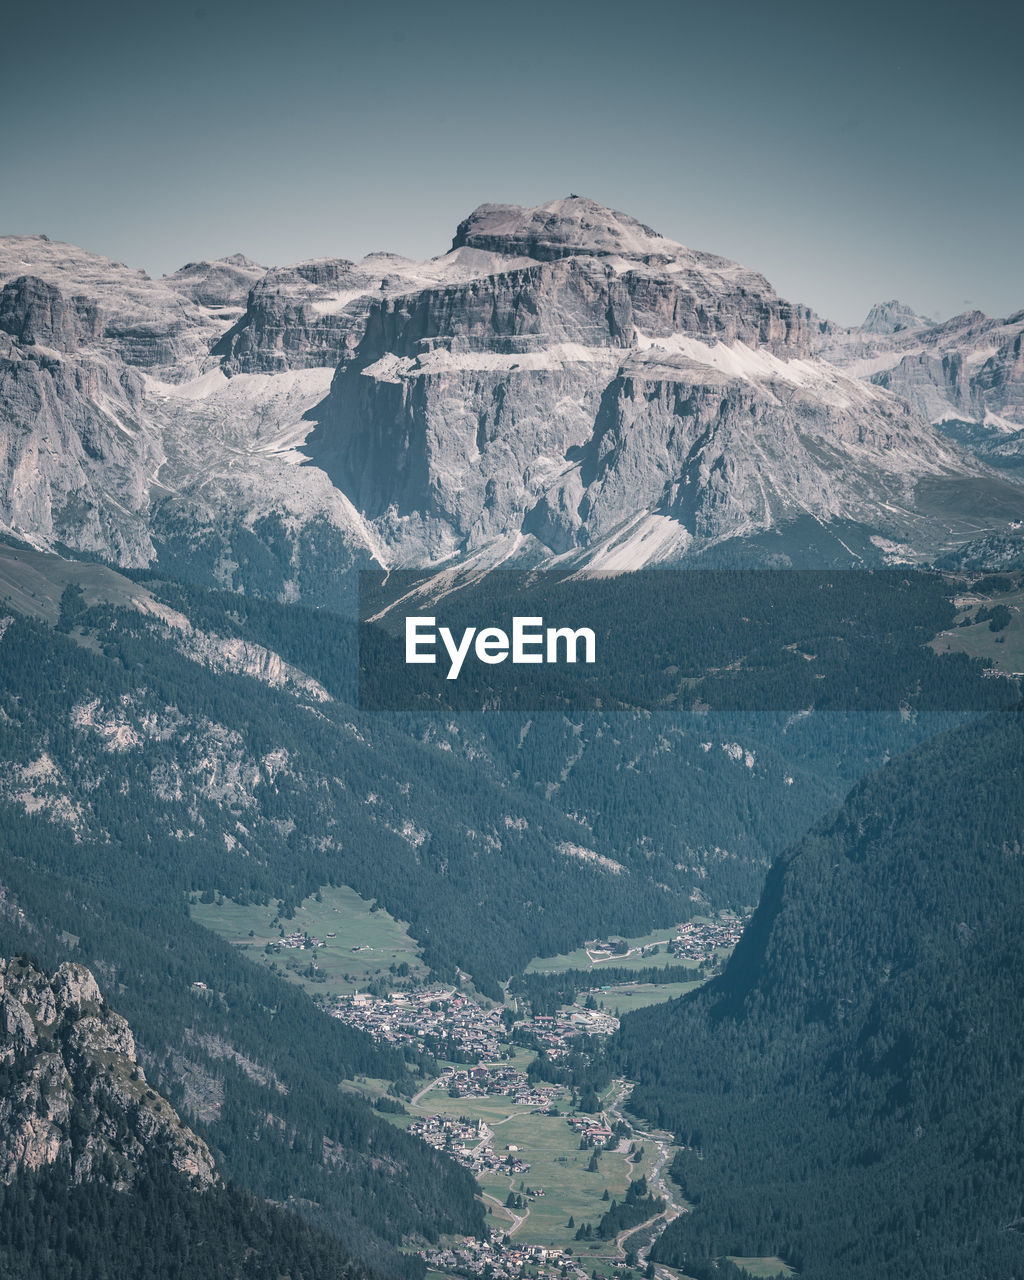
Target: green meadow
557	1165
626	997
763	1268
580	959
364	947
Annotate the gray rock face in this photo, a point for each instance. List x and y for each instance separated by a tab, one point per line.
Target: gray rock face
77	1093
299	317
962	380
966	375
998	386
578	299
563	382
966	368
606	276
559	229
75	455
79	335
616	407
892	316
141	322
38	314
218	285
648	452
313	315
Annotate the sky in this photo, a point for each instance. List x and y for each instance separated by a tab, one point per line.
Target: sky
852	153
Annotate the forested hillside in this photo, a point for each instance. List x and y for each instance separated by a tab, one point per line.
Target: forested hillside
53	1230
249	1060
848	1091
219	736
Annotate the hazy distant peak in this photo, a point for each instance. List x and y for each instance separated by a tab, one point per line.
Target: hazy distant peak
240	260
892	316
218	283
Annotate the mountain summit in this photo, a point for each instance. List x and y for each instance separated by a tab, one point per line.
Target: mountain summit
893	316
559	229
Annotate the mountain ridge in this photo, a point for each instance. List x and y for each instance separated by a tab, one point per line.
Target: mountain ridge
564	382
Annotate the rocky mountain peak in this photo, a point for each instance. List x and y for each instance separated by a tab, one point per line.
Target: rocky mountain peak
892	316
73	1091
223	283
576	225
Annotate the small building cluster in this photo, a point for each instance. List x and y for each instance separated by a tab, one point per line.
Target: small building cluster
505	1082
425	1019
298	941
595	1131
467	1142
556	1032
504	1260
700	940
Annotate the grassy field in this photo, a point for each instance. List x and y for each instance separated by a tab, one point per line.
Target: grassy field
32	583
1001	649
638	995
556	1164
763	1268
365	946
634	959
581	960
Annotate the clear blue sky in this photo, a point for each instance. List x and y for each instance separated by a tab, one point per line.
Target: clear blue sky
851	152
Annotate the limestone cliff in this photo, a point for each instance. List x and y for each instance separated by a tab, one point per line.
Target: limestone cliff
73	1091
563	382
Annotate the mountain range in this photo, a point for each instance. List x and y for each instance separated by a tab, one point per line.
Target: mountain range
563	386
194	467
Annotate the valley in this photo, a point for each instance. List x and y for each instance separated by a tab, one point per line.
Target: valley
712	974
547	1170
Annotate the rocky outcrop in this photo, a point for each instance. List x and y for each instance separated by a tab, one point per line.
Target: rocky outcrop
968	368
302	317
78	334
313	315
595	276
891	317
38	314
559	229
220	285
73	1090
998	386
246	658
698	442
147	324
76	459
